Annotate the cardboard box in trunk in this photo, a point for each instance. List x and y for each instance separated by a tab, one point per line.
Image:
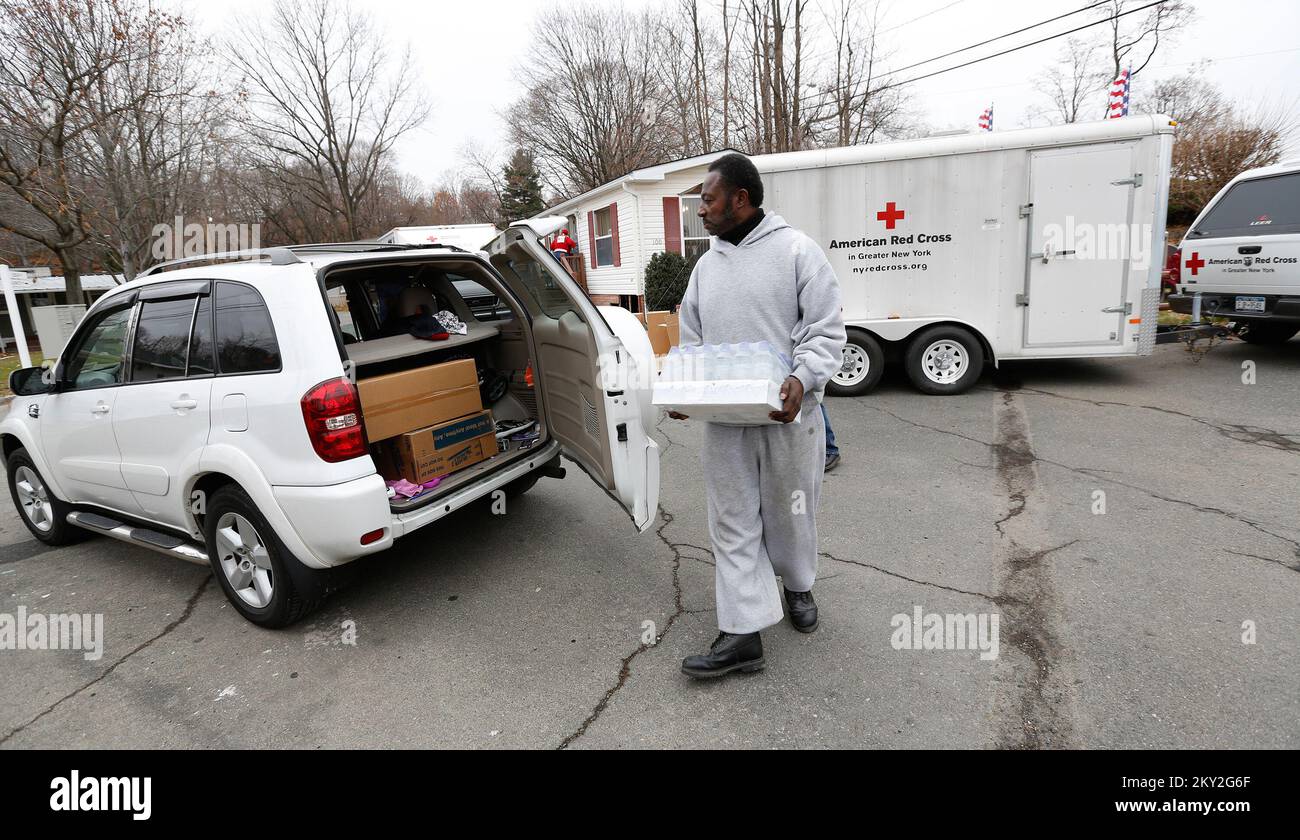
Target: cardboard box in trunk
424	454
414	399
662	328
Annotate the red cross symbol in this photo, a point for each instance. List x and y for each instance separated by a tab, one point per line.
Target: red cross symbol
890	215
1195	263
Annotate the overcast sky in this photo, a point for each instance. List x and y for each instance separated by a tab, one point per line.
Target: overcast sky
466	53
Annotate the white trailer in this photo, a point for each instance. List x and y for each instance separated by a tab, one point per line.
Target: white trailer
468	237
959	251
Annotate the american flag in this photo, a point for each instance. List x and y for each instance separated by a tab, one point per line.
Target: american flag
986	119
1119	95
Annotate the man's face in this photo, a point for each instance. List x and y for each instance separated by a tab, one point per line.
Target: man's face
718	205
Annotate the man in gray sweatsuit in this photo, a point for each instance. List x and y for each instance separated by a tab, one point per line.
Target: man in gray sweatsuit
762	280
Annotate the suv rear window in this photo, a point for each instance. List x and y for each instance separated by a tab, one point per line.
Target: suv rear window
1256	207
245	338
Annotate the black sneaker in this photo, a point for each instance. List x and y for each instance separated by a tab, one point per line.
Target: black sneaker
729	652
803	610
832	461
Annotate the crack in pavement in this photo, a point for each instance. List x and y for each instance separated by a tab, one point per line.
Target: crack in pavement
894	574
1295	567
1027	598
659	427
1239	432
625	666
1094	474
190	603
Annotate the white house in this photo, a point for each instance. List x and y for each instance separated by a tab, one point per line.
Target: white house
620	225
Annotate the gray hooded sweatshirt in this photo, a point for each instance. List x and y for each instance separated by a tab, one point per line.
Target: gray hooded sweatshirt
777	286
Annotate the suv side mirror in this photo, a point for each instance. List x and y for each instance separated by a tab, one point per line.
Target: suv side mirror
29	382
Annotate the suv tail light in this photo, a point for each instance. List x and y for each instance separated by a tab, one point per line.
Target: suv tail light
332	412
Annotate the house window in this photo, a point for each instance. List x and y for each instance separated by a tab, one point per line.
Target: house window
604	238
695	239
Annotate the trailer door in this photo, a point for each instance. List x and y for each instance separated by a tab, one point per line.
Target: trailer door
1079	215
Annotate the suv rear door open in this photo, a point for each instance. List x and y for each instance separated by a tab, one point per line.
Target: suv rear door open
595	371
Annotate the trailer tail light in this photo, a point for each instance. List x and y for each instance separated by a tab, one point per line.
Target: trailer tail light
332	412
528	376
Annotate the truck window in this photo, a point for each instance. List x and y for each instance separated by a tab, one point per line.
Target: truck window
162	338
201	340
245	338
97	362
1257	207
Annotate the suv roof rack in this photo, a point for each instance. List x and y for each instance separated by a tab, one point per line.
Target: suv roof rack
273	256
370	246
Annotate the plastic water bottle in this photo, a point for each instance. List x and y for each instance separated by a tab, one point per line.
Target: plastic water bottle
672	369
726	363
746	359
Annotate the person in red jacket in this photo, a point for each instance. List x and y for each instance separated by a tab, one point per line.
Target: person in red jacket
562	244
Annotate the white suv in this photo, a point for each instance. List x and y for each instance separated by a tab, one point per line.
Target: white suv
1241	257
209	411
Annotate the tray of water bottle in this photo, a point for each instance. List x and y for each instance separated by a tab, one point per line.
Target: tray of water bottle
738	384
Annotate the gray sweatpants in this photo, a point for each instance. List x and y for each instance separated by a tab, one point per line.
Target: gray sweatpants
763	484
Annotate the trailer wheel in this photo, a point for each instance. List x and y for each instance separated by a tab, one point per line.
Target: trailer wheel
944	360
863	365
1266	333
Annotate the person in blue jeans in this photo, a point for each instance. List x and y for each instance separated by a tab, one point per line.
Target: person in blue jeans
832	451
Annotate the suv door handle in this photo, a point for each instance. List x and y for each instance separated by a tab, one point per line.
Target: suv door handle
180	405
100	409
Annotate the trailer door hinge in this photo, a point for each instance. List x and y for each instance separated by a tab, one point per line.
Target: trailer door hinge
1135	181
621	428
1025	210
1022	300
1127	309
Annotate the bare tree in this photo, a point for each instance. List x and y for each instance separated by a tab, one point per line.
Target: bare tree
1134	39
327	105
57	53
590	112
858	107
157	117
1074	82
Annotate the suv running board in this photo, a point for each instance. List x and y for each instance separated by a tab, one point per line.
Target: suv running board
169	544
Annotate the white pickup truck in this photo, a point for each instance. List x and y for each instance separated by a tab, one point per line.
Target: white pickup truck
209	411
1240	259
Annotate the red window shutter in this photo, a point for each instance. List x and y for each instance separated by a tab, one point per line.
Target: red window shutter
672	224
613	227
591	236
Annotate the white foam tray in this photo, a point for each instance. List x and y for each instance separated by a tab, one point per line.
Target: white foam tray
745	402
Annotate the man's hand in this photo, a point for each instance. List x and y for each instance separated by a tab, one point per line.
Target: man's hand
677	415
791	400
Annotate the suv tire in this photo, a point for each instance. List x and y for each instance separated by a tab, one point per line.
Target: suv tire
45	515
261	579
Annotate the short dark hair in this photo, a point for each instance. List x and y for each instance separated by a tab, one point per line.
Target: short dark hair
739	173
